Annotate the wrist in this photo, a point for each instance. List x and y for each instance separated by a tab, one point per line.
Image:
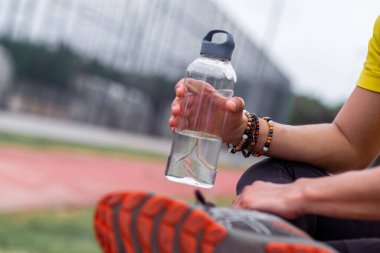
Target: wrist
304	197
263	133
240	130
254	140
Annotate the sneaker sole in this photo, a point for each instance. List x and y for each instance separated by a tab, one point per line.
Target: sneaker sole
139	222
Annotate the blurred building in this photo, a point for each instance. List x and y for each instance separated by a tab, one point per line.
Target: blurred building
149	37
6	74
6	70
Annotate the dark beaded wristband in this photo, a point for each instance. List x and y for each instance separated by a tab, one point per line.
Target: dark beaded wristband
249	138
248	150
269	138
245	137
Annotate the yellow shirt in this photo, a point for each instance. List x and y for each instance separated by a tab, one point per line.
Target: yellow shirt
370	76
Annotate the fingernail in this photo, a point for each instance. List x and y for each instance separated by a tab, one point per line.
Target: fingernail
232	104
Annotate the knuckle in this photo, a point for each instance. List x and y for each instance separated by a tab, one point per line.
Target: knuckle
179	84
240	102
175	101
258	183
245	192
244	202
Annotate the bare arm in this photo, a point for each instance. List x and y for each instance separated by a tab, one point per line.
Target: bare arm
352	141
353	195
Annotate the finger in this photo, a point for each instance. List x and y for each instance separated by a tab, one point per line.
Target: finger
180	91
175	121
172	122
176	107
195	82
179	84
235	104
184	124
179	88
176	101
177	112
235	203
197	86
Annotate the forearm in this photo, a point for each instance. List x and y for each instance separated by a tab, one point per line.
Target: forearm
354	195
322	145
352	141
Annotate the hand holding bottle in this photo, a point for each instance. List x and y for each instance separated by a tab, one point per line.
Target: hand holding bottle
202	92
200	111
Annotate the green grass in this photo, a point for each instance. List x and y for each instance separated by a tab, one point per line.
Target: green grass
58	231
54	144
52	231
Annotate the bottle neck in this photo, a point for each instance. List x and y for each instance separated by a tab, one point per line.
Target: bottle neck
215	57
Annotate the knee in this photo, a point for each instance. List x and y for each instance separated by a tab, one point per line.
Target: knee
277	171
269	170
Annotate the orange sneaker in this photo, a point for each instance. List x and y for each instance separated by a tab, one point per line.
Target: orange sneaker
134	222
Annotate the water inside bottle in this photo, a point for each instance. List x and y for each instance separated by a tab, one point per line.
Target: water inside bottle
193	159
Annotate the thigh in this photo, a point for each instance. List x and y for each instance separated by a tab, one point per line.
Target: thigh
338	229
319	227
277	171
366	245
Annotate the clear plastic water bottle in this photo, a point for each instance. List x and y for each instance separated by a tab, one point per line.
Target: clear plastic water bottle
209	80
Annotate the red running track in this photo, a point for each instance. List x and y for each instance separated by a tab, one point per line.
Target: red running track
34	179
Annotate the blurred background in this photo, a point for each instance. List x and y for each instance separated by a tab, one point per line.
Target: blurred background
86	88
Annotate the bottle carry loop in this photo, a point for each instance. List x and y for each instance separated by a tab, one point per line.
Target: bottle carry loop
222	50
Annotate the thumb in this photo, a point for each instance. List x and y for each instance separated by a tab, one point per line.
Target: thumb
235	104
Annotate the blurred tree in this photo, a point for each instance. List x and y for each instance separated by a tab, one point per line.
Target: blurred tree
54	67
159	89
57	67
161	92
309	110
94	67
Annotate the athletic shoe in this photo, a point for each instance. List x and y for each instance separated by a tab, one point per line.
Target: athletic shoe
143	222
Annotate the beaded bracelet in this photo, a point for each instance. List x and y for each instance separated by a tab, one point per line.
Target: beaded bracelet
269	138
249	138
248	150
245	137
255	134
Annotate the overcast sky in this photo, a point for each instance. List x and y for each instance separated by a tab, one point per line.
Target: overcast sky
320	44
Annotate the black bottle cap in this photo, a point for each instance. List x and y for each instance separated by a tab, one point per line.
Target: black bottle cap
222	50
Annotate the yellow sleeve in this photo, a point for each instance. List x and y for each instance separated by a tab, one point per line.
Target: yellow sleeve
370	76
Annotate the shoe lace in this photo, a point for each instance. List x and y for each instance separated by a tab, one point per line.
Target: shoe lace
202	200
